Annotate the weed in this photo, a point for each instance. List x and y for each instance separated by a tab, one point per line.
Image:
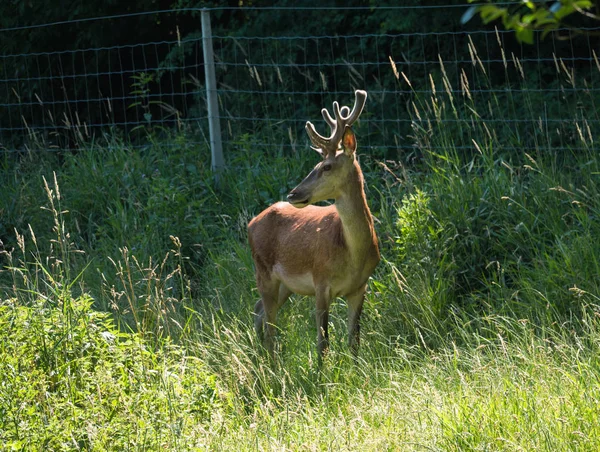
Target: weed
126	302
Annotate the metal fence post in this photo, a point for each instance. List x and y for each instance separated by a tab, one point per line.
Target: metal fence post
214	125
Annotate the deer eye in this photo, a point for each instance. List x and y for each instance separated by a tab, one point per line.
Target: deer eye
327	167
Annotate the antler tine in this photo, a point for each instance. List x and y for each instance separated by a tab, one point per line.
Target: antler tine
317	140
341	119
359	104
337	128
328	118
345	118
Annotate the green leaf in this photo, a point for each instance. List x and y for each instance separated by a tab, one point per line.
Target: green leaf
564	11
541	16
490	13
528	18
525	35
511	22
541	23
549	29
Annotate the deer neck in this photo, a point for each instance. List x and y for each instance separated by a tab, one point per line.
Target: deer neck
355	216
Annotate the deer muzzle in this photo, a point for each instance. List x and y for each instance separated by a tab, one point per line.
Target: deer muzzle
297	199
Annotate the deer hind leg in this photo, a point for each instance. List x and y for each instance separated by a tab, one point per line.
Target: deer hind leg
355	305
273	295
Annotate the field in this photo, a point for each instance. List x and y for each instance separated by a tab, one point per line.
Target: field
127	296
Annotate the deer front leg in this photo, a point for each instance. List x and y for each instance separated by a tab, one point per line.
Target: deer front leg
355	305
322	314
259	320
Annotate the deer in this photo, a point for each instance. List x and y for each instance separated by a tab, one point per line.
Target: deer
322	251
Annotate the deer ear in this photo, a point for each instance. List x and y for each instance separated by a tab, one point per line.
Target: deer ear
349	141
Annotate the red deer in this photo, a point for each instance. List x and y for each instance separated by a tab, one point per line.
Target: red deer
326	251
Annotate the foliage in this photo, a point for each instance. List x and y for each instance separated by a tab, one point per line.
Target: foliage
525	17
72	379
126	300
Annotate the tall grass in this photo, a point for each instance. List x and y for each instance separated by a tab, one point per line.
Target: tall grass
126	300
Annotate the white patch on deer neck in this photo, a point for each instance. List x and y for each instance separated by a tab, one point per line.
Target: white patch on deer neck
301	284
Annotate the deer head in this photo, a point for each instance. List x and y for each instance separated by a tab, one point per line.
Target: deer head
327	179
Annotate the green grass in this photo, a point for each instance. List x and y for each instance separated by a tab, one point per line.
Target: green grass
126	307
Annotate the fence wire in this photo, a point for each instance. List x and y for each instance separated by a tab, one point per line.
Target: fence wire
269	85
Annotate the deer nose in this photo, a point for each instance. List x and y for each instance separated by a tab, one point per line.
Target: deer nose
292	196
295	198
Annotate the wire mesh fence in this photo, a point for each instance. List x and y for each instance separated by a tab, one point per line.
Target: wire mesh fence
270	83
60	98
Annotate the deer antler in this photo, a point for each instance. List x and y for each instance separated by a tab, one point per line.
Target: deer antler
343	118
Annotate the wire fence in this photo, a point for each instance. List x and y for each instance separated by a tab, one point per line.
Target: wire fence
269	85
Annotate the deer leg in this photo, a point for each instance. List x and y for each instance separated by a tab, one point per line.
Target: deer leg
259	310
265	311
273	294
355	305
322	315
259	319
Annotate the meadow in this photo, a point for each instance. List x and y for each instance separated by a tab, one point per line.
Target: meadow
128	288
